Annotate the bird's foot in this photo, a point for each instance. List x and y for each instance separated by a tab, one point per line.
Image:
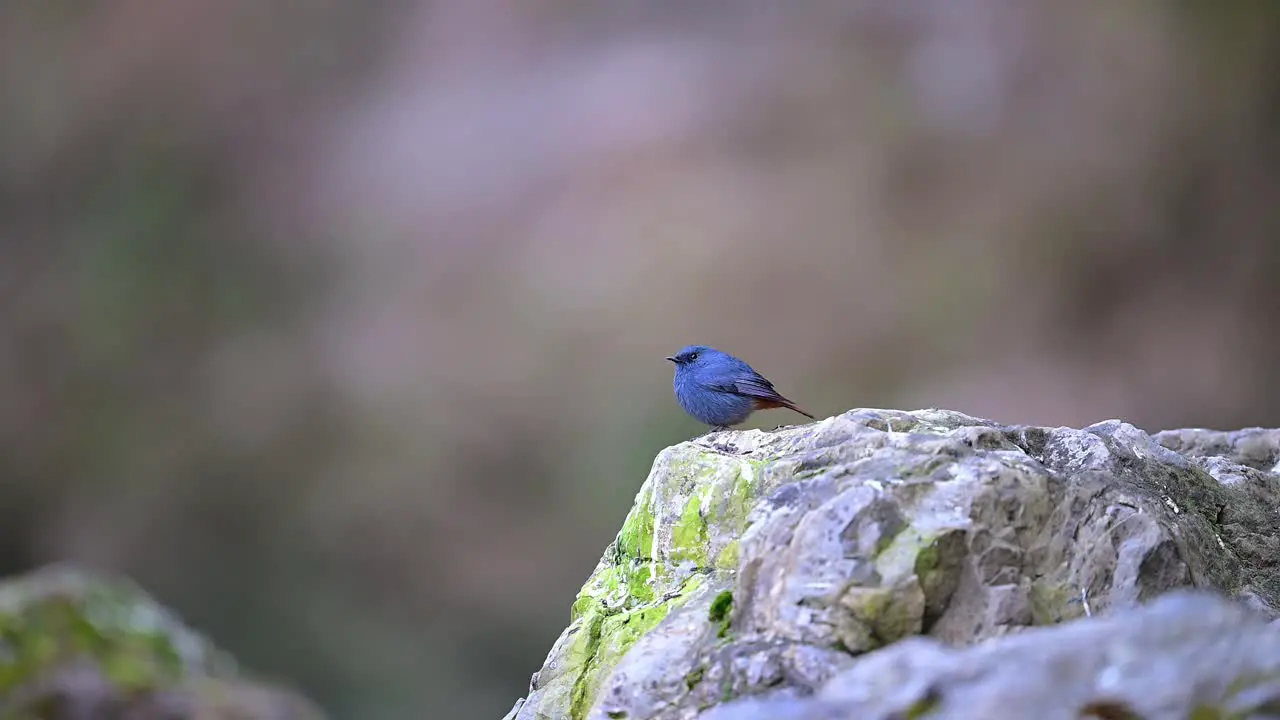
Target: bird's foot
714	429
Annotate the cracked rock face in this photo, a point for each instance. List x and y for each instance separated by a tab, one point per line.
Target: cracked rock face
774	567
1183	656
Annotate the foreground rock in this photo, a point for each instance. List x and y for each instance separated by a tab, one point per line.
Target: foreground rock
1184	656
763	565
74	645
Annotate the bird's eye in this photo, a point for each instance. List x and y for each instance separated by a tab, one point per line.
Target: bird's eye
693	356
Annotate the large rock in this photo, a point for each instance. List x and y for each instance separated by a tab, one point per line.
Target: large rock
762	565
1184	656
80	646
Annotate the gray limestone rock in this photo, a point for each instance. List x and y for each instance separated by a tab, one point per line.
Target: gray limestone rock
775	566
1185	655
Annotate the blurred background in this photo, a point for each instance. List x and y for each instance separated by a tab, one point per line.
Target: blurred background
339	326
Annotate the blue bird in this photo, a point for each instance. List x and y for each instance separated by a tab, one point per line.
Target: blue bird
720	390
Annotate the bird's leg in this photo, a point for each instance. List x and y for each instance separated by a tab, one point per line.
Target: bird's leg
713	429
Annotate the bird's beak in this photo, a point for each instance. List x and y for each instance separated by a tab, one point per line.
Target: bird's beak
671	359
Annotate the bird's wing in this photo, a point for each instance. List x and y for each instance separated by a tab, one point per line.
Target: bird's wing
750	385
756	387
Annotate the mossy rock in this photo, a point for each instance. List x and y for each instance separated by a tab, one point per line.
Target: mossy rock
760	564
78	644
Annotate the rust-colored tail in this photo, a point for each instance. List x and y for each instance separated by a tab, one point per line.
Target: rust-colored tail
781	402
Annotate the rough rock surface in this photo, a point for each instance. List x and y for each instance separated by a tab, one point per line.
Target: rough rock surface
77	646
1182	656
762	565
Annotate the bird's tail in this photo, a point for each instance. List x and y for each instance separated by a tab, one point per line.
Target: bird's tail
792	406
778	401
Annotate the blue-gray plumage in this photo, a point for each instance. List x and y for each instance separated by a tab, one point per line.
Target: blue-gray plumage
720	390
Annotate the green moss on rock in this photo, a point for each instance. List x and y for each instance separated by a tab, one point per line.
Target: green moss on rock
728	557
745	490
720	606
606	637
1208	712
62	622
61	615
684	525
922	708
714	499
689	536
635	540
619	632
907	552
581	654
1052	602
693	678
720	612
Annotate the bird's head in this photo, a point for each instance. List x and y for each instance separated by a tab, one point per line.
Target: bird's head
693	355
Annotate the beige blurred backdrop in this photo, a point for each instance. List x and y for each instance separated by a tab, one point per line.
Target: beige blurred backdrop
340	326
